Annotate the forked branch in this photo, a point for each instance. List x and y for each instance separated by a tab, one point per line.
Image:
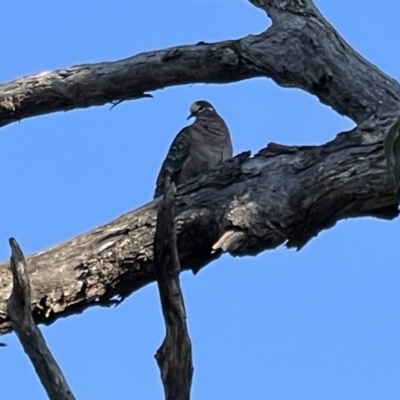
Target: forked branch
283	195
301	49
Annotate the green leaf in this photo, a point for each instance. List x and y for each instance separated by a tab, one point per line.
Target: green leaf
391	147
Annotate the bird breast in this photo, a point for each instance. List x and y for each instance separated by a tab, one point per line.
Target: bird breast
210	145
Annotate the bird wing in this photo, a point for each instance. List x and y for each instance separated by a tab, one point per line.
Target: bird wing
172	165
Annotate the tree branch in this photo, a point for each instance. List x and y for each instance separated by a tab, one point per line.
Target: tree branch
300	50
283	195
174	357
19	311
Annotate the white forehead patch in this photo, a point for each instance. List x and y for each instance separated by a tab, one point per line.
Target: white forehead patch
194	108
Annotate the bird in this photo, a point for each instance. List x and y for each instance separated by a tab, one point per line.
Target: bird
196	148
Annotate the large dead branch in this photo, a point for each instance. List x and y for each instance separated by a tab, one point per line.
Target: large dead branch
174	357
300	50
19	310
282	195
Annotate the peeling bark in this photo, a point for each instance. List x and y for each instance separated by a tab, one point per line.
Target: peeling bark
283	195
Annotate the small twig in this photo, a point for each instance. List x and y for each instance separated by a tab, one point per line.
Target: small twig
19	311
174	357
115	103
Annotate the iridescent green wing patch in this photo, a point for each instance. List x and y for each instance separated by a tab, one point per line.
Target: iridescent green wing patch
172	165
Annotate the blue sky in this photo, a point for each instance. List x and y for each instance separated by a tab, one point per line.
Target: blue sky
322	323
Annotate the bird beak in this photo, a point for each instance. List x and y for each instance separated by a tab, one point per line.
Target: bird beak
190	116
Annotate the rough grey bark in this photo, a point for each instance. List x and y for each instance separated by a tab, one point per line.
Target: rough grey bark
19	310
174	357
281	195
299	50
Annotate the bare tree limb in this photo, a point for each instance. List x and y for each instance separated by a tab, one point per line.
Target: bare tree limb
299	50
19	311
283	195
174	357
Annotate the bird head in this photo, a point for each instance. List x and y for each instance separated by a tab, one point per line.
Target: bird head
199	106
